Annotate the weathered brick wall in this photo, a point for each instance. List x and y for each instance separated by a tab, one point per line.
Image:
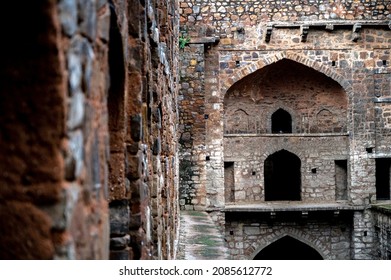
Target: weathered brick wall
54	131
88	130
144	206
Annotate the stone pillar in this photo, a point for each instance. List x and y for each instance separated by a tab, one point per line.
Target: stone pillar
192	128
363	235
361	126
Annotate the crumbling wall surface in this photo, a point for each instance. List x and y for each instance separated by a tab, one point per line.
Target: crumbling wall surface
223	13
54	131
143	166
382	233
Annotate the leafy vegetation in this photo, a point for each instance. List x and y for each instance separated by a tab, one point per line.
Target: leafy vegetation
183	41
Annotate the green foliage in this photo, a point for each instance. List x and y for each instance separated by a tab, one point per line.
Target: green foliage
183	41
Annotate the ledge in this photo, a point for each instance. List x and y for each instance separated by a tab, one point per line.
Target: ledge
382	100
204	40
326	23
287	135
382	208
291	206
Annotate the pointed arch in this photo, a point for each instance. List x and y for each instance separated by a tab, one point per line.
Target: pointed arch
326	121
288	248
237	122
282	173
281	121
305	238
116	105
242	72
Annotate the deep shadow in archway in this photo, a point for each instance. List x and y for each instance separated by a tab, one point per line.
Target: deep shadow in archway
288	248
281	122
282	176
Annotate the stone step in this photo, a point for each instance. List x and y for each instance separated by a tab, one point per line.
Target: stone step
199	238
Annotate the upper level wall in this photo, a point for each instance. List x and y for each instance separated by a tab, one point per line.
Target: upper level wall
317	34
224	15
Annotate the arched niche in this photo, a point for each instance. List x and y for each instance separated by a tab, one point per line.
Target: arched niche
287	83
281	122
288	248
116	109
282	173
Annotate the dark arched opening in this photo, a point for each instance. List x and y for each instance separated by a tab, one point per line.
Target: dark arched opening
281	122
116	122
282	176
288	248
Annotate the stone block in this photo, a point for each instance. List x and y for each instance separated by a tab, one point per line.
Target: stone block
136	127
76	146
119	217
88	18
76	111
68	16
103	28
133	167
119	243
251	230
124	255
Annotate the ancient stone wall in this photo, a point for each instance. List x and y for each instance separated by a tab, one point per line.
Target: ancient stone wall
233	15
247	234
88	130
382	233
192	126
143	168
253	54
317	156
333	52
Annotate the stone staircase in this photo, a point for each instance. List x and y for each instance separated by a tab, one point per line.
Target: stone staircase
199	238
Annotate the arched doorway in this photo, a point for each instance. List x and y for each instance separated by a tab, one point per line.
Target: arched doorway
288	248
281	122
282	176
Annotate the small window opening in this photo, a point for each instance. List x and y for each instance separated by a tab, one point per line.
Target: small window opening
313	170
333	63
384	62
207	158
281	122
237	63
229	181
253	173
369	150
341	179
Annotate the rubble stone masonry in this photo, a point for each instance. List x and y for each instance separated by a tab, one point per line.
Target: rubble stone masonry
326	65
